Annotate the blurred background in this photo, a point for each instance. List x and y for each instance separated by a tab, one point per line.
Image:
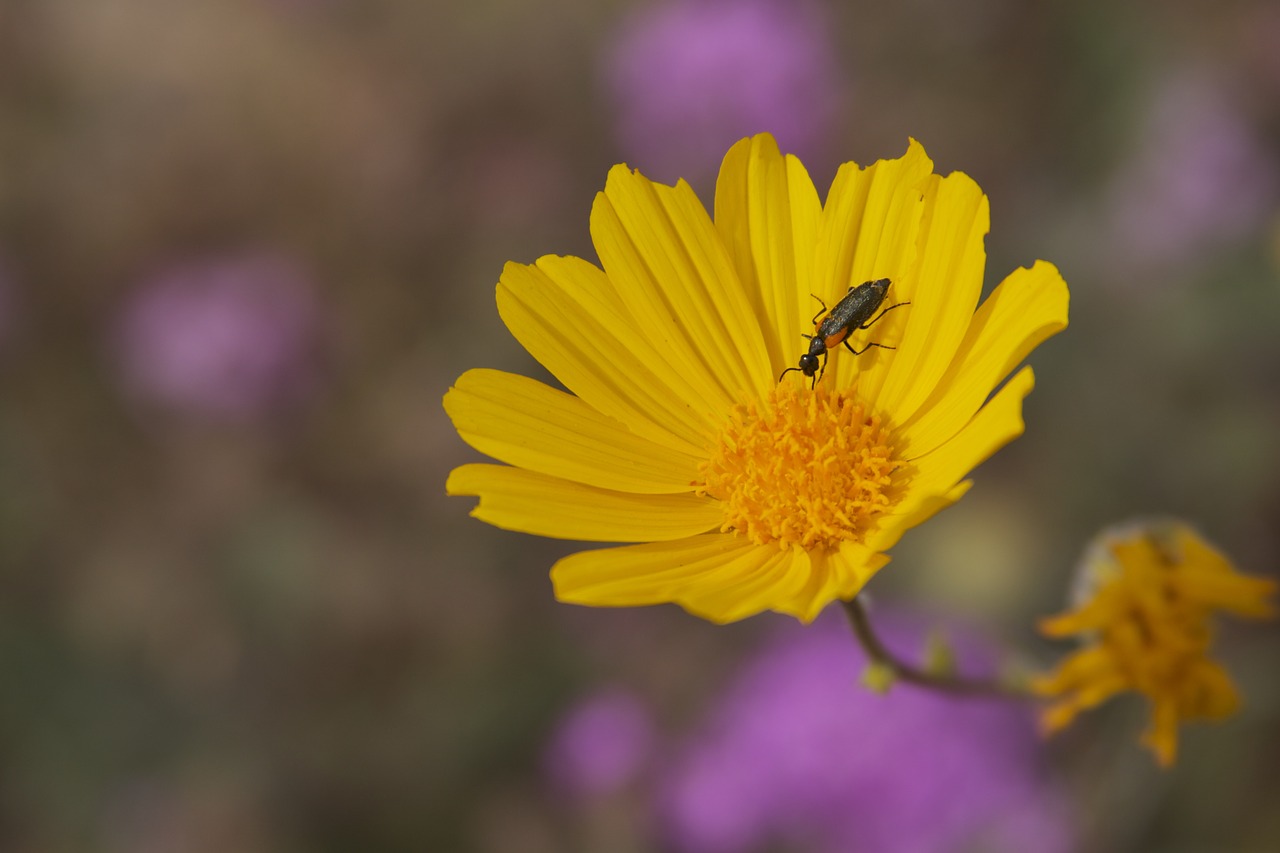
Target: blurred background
246	246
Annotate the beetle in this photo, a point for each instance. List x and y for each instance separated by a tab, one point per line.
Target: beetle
849	315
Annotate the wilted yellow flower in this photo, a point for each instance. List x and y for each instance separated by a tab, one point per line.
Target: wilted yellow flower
746	492
1148	597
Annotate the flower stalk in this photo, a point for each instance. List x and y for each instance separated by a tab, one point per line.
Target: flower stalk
900	670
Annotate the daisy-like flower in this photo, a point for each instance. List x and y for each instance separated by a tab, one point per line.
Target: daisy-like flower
1147	599
745	492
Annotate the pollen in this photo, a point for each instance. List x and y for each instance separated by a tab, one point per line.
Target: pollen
801	467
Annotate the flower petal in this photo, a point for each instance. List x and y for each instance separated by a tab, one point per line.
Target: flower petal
995	425
868	230
949	282
755	581
893	525
1208	576
838	575
1091	665
1027	307
651	573
1209	694
525	423
565	313
767	213
671	269
720	577
515	499
1162	736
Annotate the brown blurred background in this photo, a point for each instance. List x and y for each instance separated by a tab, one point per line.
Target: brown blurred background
246	246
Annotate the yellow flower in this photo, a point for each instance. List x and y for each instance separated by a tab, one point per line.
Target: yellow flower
1149	593
746	492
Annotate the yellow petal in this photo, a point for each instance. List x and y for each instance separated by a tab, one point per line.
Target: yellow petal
767	212
1195	551
838	576
893	525
598	353
1209	694
933	486
949	282
1088	679
522	422
651	573
1208	576
1027	307
1058	716
1239	594
515	499
868	230
753	582
1089	665
671	269
719	577
1092	616
814	587
995	425
1162	736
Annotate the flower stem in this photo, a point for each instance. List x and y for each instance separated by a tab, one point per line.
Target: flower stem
902	671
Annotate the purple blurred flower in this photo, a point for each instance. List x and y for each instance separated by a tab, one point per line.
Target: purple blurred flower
231	338
691	78
1200	176
797	752
601	745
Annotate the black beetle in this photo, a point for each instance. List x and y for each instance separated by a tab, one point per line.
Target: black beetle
834	329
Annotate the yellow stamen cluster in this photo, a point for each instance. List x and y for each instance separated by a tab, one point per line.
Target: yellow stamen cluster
1148	628
801	467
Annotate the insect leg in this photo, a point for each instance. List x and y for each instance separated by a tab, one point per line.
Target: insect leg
881	314
864	349
820	313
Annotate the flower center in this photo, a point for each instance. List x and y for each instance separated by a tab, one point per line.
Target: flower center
802	467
